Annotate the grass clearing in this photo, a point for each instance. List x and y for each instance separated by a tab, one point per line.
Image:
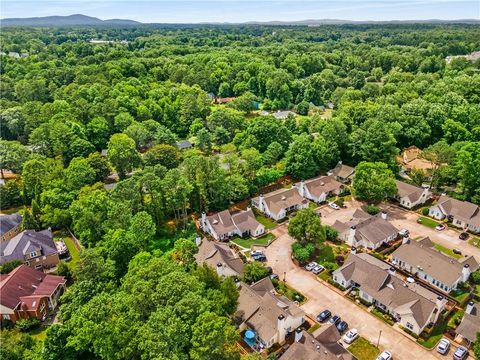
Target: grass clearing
72	249
312	329
362	349
249	241
427	222
267	222
39	334
446	251
475	241
435	335
459	294
292	294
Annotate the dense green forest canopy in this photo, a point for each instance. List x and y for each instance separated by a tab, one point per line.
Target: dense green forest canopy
137	293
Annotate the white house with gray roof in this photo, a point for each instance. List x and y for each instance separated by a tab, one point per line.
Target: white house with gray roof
421	259
410	304
320	188
224	225
462	213
410	196
278	203
365	230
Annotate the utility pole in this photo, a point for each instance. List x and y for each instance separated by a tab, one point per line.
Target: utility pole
284	276
378	342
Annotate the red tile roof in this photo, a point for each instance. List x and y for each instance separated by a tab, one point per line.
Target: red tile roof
25	281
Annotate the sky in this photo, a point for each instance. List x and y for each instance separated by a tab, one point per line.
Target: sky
195	11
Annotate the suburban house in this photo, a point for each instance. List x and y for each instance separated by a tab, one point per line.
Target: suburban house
411	159
283	115
220	257
321	345
365	230
265	317
342	173
28	293
470	325
223	225
35	248
462	213
10	225
421	259
184	144
278	203
320	188
410	304
410	196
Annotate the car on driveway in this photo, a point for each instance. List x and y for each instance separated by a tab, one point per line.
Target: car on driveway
256	252
461	353
440	227
318	269
404	233
335	320
261	258
324	315
463	236
342	326
350	336
456	251
274	277
311	266
386	355
334	206
443	346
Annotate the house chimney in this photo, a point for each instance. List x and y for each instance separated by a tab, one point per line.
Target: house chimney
469	308
339	162
281	328
439	302
203	222
301	189
351	235
261	205
383	214
298	335
465	272
198	241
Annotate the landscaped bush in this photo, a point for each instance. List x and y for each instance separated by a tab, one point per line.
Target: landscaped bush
27	324
338	286
340	202
475	277
425	211
9	266
373	210
383	315
340	259
302	253
409	332
331	233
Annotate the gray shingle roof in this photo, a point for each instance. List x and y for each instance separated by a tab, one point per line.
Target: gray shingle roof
24	243
8	222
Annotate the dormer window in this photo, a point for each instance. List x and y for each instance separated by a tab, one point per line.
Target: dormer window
33	254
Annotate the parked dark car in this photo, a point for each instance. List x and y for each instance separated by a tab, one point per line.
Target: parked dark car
259	257
270	270
456	251
274	277
463	236
335	320
324	315
342	326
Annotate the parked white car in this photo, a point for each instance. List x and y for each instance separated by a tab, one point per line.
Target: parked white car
386	355
311	266
334	206
350	336
318	269
440	227
443	346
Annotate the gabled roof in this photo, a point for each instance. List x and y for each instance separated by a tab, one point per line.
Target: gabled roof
321	185
185	144
223	222
27	241
342	171
462	210
323	347
412	192
423	255
8	222
260	308
24	281
214	253
282	199
470	325
283	114
373	277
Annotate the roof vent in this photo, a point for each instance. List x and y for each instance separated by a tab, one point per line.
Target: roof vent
215	221
322	183
284	198
466	266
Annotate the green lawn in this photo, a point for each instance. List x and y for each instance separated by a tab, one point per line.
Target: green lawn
446	251
267	222
456	317
312	329
362	349
475	241
435	336
460	295
427	222
249	241
39	333
72	249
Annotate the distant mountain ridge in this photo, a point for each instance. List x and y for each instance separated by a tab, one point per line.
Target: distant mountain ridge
84	20
70	20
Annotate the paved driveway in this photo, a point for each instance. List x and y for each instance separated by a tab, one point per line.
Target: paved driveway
321	297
